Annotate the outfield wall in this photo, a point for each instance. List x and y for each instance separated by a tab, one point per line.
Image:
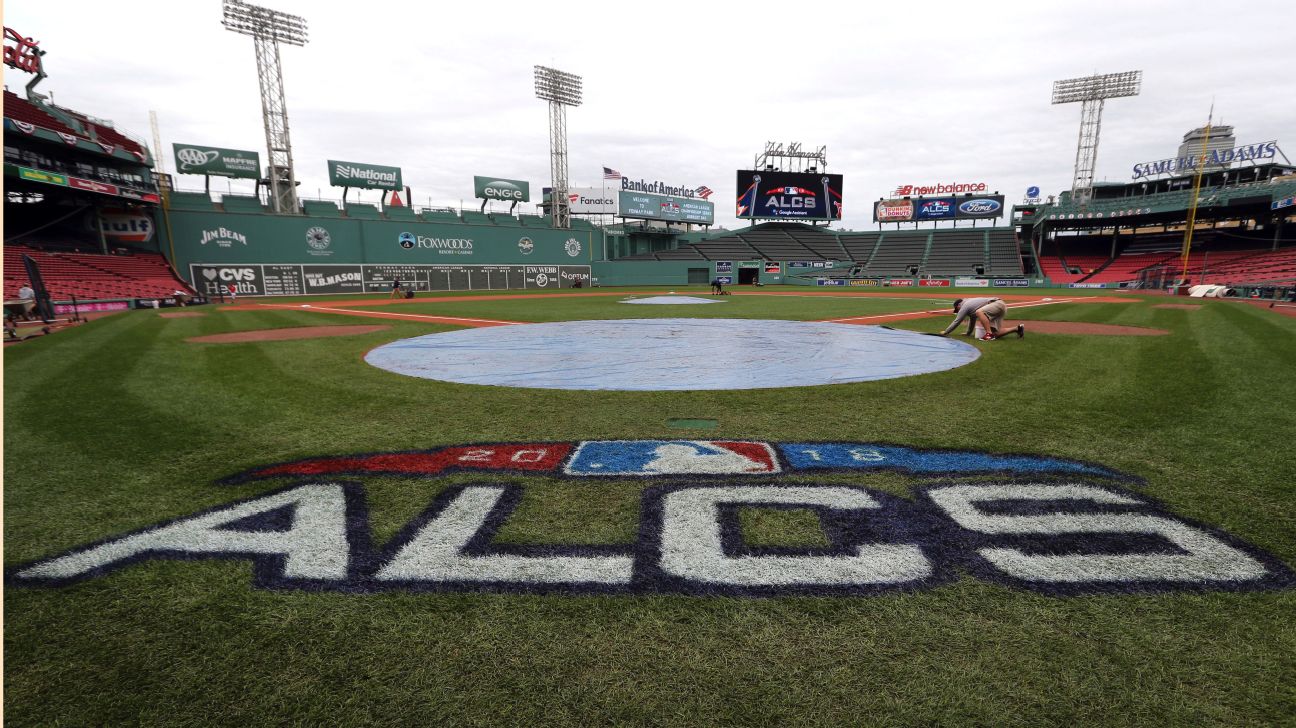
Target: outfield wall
282	254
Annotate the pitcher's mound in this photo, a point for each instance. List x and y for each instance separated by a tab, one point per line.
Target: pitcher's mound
300	332
1076	327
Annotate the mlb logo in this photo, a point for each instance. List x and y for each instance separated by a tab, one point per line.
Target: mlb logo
672	457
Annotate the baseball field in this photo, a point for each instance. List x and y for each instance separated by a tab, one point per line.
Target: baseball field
1076	528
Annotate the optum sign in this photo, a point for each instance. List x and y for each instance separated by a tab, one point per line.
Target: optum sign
494	188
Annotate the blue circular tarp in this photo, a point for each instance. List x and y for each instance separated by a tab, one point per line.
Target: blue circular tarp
671	354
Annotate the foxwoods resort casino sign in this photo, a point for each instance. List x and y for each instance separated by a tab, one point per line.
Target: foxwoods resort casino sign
1048	525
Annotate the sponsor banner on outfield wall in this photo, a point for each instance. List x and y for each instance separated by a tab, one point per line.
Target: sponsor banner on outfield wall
1011	283
497	188
866	281
644	206
971	282
1037	523
830	281
370	176
724	266
750	264
725	280
1086	285
218	161
773	268
934	282
900	282
789	195
291	279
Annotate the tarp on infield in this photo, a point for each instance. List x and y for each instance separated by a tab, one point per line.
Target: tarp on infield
665	300
671	354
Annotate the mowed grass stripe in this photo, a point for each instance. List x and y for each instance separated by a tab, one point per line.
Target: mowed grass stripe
193	643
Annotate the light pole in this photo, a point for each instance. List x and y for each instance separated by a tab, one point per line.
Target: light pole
268	29
561	90
1091	92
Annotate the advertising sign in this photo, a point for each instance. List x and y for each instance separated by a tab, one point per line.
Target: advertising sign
936	208
370	176
657	187
497	188
1284	202
590	200
292	279
199	159
893	211
1011	283
1215	158
971	282
724	266
952	188
725	280
866	281
749	264
981	207
773	268
934	282
646	206
900	282
789	195
1086	285
830	281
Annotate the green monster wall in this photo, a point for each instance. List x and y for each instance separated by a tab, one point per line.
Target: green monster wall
282	255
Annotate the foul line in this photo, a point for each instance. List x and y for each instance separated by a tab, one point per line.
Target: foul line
393	315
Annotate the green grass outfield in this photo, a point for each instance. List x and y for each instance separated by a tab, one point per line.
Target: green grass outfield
120	424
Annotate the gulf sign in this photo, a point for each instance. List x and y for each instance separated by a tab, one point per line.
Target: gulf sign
1035	523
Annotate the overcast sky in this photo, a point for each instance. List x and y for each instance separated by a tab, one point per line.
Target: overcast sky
685	93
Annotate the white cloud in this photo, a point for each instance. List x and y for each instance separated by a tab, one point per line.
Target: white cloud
683	92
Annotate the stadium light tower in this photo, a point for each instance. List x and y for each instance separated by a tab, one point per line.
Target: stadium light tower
1091	92
561	90
268	29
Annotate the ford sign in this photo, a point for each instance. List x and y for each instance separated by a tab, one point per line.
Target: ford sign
981	207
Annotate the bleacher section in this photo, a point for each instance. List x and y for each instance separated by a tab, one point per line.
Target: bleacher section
195	201
362	211
242	203
859	247
321	208
20	109
957	252
1277	266
92	276
401	214
1005	256
898	252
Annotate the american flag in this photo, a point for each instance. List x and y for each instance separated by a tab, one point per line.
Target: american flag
704	192
609	173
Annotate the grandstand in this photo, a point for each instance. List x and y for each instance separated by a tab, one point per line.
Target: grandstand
90	276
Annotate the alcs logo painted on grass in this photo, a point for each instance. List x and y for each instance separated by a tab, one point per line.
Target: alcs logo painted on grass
1050	525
